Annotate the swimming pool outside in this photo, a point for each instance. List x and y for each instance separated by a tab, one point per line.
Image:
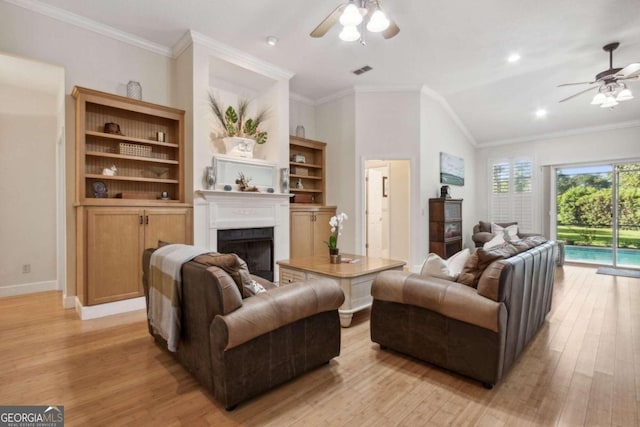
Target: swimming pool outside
594	255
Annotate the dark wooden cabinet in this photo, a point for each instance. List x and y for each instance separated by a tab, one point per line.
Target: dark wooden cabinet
445	226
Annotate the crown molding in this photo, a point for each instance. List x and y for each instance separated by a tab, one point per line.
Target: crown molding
91	25
182	44
425	90
302	99
387	88
335	96
563	133
235	56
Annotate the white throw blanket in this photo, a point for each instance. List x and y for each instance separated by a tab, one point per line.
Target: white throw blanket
165	289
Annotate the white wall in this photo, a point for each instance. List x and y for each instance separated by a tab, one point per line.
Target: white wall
388	128
303	114
388	125
594	147
89	60
440	133
28	136
335	122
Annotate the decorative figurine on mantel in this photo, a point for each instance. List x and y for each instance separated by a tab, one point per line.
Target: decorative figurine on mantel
243	182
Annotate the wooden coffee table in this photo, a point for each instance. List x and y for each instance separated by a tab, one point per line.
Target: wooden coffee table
354	279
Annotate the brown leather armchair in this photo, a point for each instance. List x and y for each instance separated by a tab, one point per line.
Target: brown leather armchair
238	348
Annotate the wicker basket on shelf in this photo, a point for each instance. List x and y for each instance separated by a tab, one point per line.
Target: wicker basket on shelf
134	150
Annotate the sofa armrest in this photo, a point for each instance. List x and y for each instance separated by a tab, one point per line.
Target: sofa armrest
268	311
450	299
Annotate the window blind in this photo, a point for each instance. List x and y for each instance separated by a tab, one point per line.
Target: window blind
512	192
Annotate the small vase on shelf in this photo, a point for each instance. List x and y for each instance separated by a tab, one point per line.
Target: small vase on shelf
334	256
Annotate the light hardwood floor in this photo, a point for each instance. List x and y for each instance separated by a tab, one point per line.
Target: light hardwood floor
583	368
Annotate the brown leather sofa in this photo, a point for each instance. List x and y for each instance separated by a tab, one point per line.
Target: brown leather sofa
482	232
238	348
477	332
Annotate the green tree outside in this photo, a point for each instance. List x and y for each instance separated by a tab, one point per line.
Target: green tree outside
585	209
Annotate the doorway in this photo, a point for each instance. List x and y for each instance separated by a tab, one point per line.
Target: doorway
598	213
387	209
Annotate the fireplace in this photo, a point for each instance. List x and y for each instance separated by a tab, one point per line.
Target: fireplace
254	245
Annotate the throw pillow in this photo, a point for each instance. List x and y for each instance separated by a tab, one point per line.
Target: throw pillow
252	288
470	270
509	233
496	241
449	269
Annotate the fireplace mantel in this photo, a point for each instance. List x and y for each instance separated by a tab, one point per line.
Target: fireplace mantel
211	195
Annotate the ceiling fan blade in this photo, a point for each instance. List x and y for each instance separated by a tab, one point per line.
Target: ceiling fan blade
630	70
391	31
577	83
579	93
328	22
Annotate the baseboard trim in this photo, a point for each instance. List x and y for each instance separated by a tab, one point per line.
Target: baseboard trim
110	308
28	288
68	301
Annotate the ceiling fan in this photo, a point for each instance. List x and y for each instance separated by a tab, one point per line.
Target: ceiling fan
610	83
365	14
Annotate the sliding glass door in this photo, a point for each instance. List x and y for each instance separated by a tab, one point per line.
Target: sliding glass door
598	213
627	215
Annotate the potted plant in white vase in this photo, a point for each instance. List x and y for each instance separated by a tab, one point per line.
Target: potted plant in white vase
241	133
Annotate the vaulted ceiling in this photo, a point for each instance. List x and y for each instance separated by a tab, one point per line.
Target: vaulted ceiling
456	48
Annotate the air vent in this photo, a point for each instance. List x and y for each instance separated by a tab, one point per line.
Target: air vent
362	70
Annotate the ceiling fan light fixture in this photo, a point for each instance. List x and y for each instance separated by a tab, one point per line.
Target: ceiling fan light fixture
624	95
349	33
378	21
598	99
351	16
610	102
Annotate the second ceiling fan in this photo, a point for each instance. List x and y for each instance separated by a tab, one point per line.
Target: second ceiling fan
610	83
356	16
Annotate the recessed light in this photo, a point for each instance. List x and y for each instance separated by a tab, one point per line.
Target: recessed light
541	112
514	57
272	40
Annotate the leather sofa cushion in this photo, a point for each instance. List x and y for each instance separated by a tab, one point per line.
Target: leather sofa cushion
448	298
268	311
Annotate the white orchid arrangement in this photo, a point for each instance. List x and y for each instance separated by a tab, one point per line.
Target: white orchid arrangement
336	229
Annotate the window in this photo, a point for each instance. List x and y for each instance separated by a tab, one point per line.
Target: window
512	192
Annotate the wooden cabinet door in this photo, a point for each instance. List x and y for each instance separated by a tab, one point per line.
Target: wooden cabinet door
114	254
169	225
301	237
322	231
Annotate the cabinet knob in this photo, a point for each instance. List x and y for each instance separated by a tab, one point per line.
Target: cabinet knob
141	221
146	219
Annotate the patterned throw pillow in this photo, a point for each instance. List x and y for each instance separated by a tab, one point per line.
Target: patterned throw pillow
509	233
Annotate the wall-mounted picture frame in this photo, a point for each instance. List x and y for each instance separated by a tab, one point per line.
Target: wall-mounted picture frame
451	169
385	186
